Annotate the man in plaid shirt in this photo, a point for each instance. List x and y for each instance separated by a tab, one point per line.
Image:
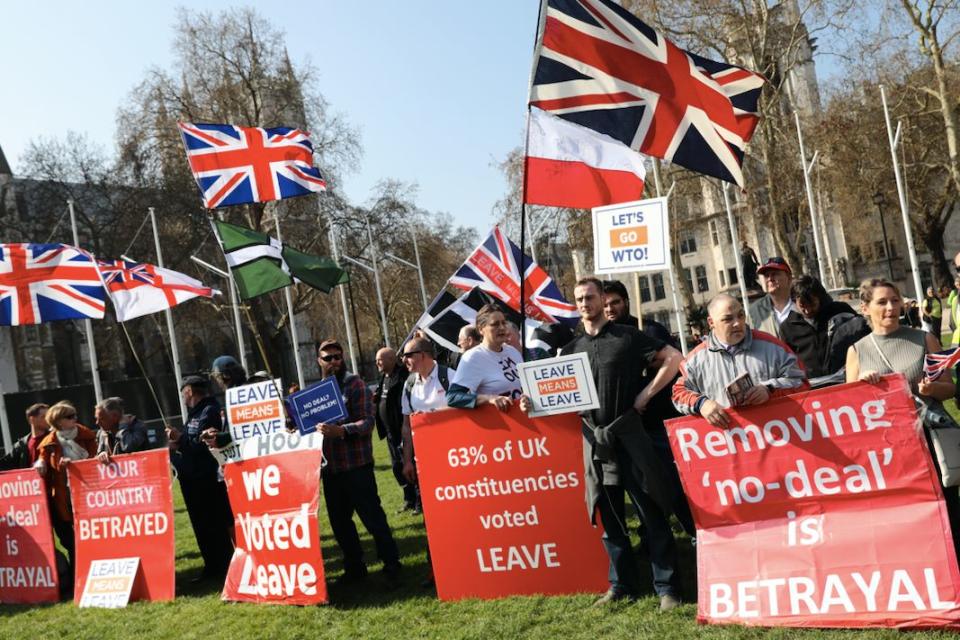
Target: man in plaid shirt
348	482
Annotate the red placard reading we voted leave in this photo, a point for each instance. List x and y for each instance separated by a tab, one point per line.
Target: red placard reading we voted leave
125	510
822	509
28	570
503	499
277	559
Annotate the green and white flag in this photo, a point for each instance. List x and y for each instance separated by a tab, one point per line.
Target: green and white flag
261	264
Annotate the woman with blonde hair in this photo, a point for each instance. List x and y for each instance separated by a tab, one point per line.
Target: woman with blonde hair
67	440
894	348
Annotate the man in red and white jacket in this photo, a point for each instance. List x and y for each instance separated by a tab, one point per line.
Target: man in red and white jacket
731	350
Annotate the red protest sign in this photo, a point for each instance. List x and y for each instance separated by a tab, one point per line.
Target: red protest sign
277	559
822	509
28	568
125	510
503	499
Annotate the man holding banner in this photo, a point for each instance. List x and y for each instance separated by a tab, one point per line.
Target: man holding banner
204	496
349	484
618	461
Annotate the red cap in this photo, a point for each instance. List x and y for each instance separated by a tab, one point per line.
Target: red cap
776	263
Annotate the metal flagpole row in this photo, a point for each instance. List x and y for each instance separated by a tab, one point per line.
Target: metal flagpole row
901	192
735	240
171	331
294	335
376	281
416	253
234	304
87	325
423	293
677	311
814	227
343	300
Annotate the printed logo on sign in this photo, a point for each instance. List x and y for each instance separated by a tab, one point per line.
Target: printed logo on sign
629	243
255	409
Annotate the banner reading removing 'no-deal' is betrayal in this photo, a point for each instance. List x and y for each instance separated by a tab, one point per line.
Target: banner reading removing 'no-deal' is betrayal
822	509
125	510
503	500
28	570
277	558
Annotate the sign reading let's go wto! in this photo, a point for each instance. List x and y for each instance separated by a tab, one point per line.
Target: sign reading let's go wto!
632	236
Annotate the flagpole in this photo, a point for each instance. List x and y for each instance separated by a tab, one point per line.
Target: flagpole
87	325
416	253
5	424
293	320
175	350
335	250
680	315
735	240
814	227
902	194
376	281
538	41
234	302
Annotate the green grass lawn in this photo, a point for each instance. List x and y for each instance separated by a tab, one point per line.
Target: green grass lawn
371	611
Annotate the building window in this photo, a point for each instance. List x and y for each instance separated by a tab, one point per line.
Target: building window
702	284
658	292
714	233
688	279
644	289
733	276
878	250
721	278
856	254
663	317
688	242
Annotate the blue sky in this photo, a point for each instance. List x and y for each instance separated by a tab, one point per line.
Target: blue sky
437	89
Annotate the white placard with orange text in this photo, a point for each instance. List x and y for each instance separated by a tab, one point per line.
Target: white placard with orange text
255	409
559	385
109	583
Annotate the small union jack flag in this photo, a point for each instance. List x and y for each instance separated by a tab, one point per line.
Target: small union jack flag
45	282
238	165
494	267
934	364
137	289
602	68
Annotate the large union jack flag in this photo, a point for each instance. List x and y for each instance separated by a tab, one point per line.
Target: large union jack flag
494	268
137	289
602	68
44	282
237	165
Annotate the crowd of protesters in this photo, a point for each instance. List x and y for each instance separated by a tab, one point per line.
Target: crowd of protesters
796	337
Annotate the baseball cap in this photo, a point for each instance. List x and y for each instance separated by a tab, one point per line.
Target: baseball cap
194	381
222	363
776	263
330	344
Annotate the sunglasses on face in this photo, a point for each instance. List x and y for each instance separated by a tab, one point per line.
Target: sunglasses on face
332	357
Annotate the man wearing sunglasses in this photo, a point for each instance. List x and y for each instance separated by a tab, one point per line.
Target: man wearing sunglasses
349	485
767	313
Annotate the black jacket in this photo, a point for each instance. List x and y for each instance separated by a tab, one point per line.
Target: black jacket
18	457
389	416
813	342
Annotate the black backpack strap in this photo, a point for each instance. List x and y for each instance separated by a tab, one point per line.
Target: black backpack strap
443	375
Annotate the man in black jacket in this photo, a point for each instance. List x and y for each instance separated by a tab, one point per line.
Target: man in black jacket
811	331
389	419
24	451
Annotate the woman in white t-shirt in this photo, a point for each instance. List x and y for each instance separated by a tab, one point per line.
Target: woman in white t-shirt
487	373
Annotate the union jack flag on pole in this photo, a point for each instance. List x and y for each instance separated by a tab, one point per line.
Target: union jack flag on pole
45	282
137	289
934	364
238	165
494	267
602	68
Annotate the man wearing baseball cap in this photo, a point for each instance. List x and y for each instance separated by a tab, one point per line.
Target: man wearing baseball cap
768	312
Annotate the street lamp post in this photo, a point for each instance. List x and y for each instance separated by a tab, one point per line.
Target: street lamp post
878	200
